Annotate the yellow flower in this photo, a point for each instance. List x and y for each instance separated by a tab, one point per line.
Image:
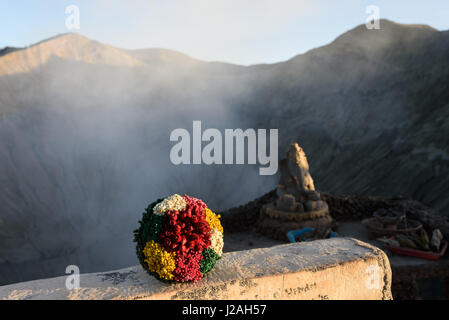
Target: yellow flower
213	220
159	260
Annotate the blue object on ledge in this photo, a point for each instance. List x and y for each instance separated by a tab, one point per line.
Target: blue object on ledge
293	234
333	234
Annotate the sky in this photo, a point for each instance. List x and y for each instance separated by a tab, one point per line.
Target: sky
242	32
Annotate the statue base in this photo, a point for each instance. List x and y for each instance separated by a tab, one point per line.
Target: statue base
276	223
273	212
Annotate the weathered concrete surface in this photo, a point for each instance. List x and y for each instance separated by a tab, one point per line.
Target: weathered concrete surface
338	268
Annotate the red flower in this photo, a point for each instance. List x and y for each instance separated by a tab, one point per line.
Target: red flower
187	230
188	266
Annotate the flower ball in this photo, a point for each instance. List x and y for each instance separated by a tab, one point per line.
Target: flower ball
179	239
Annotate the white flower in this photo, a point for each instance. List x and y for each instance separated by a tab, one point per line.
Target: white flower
174	202
216	241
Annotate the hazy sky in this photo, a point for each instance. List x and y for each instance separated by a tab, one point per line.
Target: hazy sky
237	31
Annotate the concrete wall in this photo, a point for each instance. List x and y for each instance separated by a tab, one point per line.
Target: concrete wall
338	268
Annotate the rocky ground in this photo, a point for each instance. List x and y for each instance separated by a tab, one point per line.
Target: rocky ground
247	218
238	241
412	278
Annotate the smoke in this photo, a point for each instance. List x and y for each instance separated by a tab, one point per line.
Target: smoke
88	149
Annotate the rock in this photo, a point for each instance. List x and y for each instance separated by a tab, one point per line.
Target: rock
390	242
286	202
309	205
280	190
389	217
315	205
299	207
435	241
313	195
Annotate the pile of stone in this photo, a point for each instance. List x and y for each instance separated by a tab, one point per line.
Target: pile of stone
298	204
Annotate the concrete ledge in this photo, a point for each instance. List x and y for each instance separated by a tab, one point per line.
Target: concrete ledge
338	268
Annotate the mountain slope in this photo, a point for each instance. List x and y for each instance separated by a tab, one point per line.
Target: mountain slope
69	46
164	57
372	118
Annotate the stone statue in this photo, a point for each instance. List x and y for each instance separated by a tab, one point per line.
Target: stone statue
297	201
296	190
295	176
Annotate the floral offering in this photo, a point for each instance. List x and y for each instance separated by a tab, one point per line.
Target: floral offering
179	239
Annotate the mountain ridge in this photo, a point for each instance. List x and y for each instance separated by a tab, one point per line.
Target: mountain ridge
161	54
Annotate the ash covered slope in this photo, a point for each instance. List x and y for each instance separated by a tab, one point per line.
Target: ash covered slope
84	133
371	109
